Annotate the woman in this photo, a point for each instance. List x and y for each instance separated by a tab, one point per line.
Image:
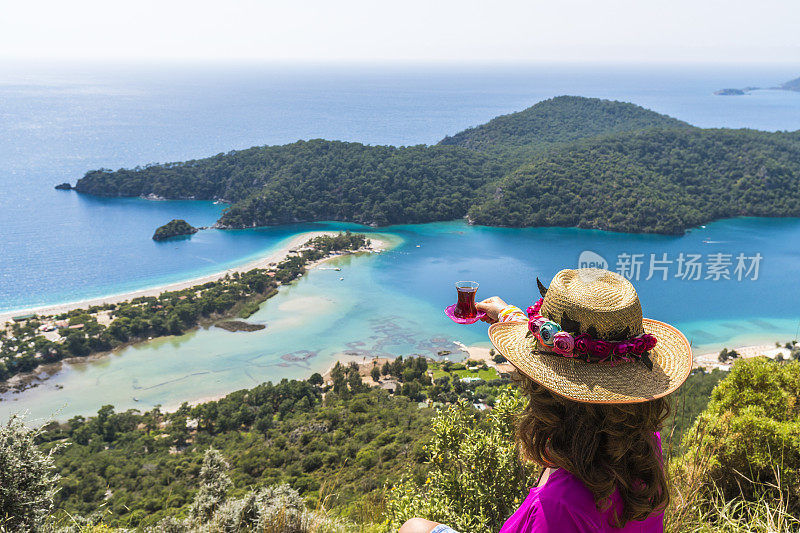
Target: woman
596	375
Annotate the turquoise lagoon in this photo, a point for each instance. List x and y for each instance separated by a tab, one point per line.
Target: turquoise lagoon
391	304
61	120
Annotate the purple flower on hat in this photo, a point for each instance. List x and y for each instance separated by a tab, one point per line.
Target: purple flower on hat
638	345
582	343
563	343
650	342
600	349
622	348
547	331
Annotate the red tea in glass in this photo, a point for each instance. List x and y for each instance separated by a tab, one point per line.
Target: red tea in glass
465	308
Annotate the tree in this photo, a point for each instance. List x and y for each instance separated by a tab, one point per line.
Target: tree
354	378
28	482
316	379
339	379
375	373
214	485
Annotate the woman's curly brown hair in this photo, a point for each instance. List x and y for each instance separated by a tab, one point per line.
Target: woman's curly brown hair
606	446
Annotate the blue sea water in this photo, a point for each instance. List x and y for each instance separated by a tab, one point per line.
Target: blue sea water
57	122
59	246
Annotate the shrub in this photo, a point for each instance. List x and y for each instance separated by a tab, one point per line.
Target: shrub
475	477
27	478
214	485
747	442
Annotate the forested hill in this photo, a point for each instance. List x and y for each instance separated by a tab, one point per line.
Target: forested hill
317	180
661	181
368	184
559	120
568	161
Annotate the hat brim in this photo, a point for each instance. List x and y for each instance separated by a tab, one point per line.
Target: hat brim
598	383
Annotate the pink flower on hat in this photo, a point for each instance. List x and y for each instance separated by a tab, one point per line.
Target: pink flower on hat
535	325
564	343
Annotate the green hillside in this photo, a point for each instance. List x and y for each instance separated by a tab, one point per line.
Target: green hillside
316	180
568	161
660	181
368	184
559	120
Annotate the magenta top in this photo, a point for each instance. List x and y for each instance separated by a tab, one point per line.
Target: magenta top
565	505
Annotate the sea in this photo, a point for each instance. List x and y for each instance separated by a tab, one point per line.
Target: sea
729	283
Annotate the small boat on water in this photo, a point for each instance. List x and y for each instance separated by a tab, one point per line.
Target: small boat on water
135	399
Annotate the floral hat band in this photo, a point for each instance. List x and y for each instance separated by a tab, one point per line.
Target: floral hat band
587	346
588	316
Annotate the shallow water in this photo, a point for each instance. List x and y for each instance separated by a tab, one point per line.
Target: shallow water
392	304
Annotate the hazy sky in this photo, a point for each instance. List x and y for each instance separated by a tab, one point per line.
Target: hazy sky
700	31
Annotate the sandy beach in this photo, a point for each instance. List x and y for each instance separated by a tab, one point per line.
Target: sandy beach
262	262
711	360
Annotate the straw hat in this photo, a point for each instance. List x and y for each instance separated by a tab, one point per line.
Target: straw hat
606	304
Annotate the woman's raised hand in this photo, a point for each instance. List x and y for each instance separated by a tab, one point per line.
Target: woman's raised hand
492	307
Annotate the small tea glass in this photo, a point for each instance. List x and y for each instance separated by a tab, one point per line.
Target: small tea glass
465	311
465	308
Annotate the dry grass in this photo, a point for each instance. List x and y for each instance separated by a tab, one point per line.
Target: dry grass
698	506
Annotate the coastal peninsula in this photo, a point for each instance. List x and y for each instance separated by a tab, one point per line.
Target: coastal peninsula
599	164
174	228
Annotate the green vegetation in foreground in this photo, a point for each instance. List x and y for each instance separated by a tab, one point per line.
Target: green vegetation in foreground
344	441
364	460
173	228
82	332
738	470
567	161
